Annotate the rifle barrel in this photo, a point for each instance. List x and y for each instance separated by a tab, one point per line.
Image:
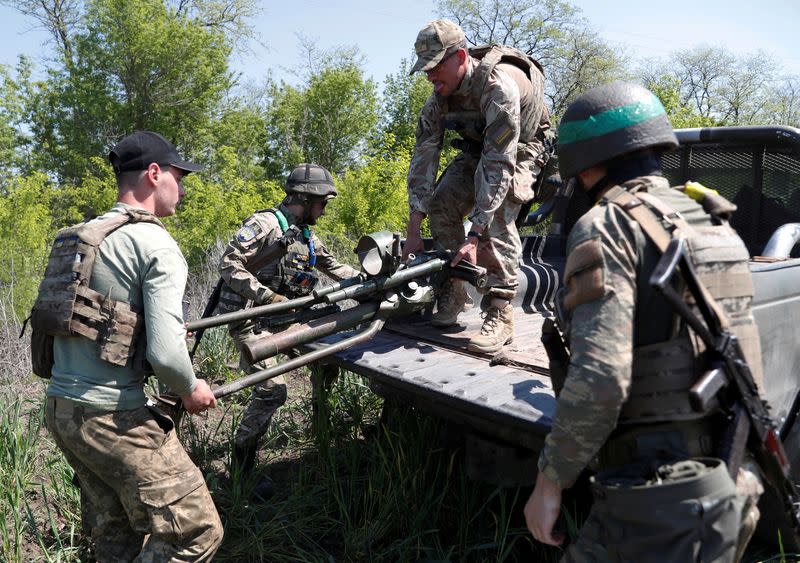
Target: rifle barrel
279	307
380	283
300	361
272	344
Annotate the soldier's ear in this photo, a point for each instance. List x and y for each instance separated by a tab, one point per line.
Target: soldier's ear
152	174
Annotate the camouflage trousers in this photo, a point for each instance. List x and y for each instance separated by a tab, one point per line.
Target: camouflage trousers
703	518
142	497
500	247
266	397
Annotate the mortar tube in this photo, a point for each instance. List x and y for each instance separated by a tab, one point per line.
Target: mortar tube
270	373
279	307
272	344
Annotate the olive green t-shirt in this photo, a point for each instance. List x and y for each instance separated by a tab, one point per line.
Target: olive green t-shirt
139	263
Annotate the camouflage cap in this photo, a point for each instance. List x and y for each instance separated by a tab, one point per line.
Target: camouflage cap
437	39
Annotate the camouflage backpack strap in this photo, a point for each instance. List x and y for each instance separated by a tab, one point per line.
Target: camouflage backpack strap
652	224
489	58
491	55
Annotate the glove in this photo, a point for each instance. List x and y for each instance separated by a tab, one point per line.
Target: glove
277	298
267	297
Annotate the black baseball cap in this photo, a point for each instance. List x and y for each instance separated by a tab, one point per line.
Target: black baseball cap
141	148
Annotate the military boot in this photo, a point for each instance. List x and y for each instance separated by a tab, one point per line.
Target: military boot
452	300
497	329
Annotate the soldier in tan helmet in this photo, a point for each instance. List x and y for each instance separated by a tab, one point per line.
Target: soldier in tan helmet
309	188
493	97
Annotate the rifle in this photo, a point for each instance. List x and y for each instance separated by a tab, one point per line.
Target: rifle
751	424
386	287
270	254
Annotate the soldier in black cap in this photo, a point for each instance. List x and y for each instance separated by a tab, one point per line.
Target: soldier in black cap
110	299
309	188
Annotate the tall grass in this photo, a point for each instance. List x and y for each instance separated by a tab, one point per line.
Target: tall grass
352	485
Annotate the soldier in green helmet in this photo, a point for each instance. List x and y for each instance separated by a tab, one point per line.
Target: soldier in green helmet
493	98
660	493
309	188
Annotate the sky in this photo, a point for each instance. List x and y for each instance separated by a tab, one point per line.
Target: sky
384	32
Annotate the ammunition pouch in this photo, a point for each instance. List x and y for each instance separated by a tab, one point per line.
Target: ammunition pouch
662	375
674	513
297	278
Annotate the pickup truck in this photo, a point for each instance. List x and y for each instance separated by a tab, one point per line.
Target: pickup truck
502	406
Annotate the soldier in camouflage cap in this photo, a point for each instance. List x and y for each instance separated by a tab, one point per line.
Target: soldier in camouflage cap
309	188
624	408
493	97
142	497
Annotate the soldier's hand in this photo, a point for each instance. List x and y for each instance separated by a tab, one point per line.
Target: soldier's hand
542	510
199	400
277	298
413	244
468	252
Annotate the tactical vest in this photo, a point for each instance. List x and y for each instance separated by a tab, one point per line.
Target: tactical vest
462	114
67	306
663	373
292	276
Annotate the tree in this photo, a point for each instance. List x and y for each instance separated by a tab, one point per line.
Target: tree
125	65
716	85
372	197
784	105
403	98
667	89
326	121
552	31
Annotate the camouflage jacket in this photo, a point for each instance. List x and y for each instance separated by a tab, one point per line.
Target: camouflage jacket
499	106
604	328
258	232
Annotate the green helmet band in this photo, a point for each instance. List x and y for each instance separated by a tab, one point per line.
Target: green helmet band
610	121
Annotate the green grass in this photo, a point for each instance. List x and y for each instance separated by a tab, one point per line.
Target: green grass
351	487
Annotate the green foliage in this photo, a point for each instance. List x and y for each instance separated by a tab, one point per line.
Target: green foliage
403	98
93	195
134	64
326	122
25	230
371	197
667	89
213	209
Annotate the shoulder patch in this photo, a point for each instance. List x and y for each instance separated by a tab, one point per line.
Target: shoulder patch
501	132
248	232
584	274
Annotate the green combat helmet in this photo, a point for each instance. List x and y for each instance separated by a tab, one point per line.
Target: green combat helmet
311	180
609	122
